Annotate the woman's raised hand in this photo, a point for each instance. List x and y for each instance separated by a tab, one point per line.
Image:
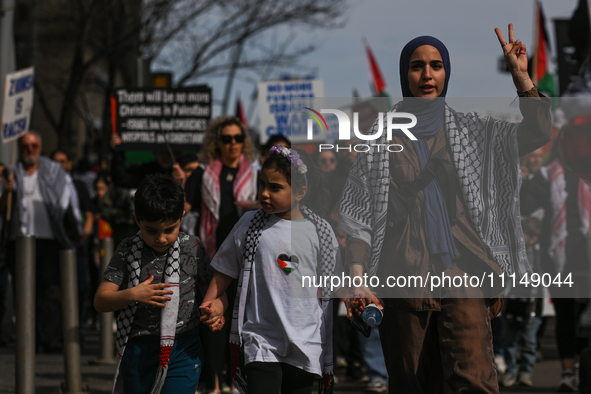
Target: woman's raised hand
516	58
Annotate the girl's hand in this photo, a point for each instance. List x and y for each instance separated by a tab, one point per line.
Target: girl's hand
151	294
219	325
516	57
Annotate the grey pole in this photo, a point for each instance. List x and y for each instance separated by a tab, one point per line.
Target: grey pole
69	284
25	314
107	339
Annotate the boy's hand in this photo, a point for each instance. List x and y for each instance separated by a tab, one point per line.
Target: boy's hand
213	314
151	294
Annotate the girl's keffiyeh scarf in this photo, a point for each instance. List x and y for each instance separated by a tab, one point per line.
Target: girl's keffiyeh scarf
168	318
244	190
554	172
55	186
484	154
326	266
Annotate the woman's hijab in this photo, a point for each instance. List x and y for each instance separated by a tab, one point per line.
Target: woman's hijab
429	113
406	54
430	119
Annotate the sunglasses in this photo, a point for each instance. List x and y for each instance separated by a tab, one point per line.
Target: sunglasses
227	139
326	161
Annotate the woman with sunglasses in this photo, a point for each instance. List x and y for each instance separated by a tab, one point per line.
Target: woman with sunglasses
327	161
214	191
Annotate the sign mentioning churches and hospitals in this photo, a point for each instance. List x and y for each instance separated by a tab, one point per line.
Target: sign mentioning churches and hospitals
280	108
146	118
18	102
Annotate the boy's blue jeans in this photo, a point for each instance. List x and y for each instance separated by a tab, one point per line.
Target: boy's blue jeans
140	363
527	335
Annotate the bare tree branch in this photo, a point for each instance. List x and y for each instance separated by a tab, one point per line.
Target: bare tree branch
195	38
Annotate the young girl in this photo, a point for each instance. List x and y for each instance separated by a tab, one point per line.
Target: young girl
283	327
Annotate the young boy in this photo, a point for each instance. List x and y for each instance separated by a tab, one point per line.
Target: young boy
157	280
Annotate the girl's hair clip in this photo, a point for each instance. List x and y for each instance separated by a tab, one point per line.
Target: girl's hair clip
291	155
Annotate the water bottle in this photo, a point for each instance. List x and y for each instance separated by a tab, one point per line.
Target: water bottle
372	315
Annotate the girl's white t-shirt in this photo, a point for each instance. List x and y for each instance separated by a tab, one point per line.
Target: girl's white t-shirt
282	320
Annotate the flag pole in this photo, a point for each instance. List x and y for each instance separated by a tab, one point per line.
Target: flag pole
534	67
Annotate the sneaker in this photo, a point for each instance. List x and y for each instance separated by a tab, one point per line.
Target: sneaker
568	382
509	379
525	379
377	385
500	364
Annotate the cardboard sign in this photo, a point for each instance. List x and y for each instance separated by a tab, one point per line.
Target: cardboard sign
280	109
18	102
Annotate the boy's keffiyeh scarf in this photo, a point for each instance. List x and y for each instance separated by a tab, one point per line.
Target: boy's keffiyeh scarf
326	266
554	172
484	154
168	318
244	190
55	189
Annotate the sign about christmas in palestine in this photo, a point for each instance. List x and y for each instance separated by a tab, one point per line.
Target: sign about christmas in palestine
148	118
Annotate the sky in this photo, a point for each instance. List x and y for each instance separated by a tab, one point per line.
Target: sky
466	27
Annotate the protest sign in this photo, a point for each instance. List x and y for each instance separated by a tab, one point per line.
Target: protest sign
148	118
280	108
18	102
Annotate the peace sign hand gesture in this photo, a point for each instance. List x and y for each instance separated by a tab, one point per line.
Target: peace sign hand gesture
516	58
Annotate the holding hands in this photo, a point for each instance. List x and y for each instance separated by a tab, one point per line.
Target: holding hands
516	57
213	313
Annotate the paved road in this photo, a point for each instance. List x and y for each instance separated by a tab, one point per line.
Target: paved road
98	378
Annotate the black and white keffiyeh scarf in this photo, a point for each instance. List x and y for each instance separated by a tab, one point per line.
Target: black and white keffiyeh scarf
55	187
485	156
168	318
326	267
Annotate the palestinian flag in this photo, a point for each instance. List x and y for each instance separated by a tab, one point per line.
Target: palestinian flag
378	85
240	113
543	69
287	263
